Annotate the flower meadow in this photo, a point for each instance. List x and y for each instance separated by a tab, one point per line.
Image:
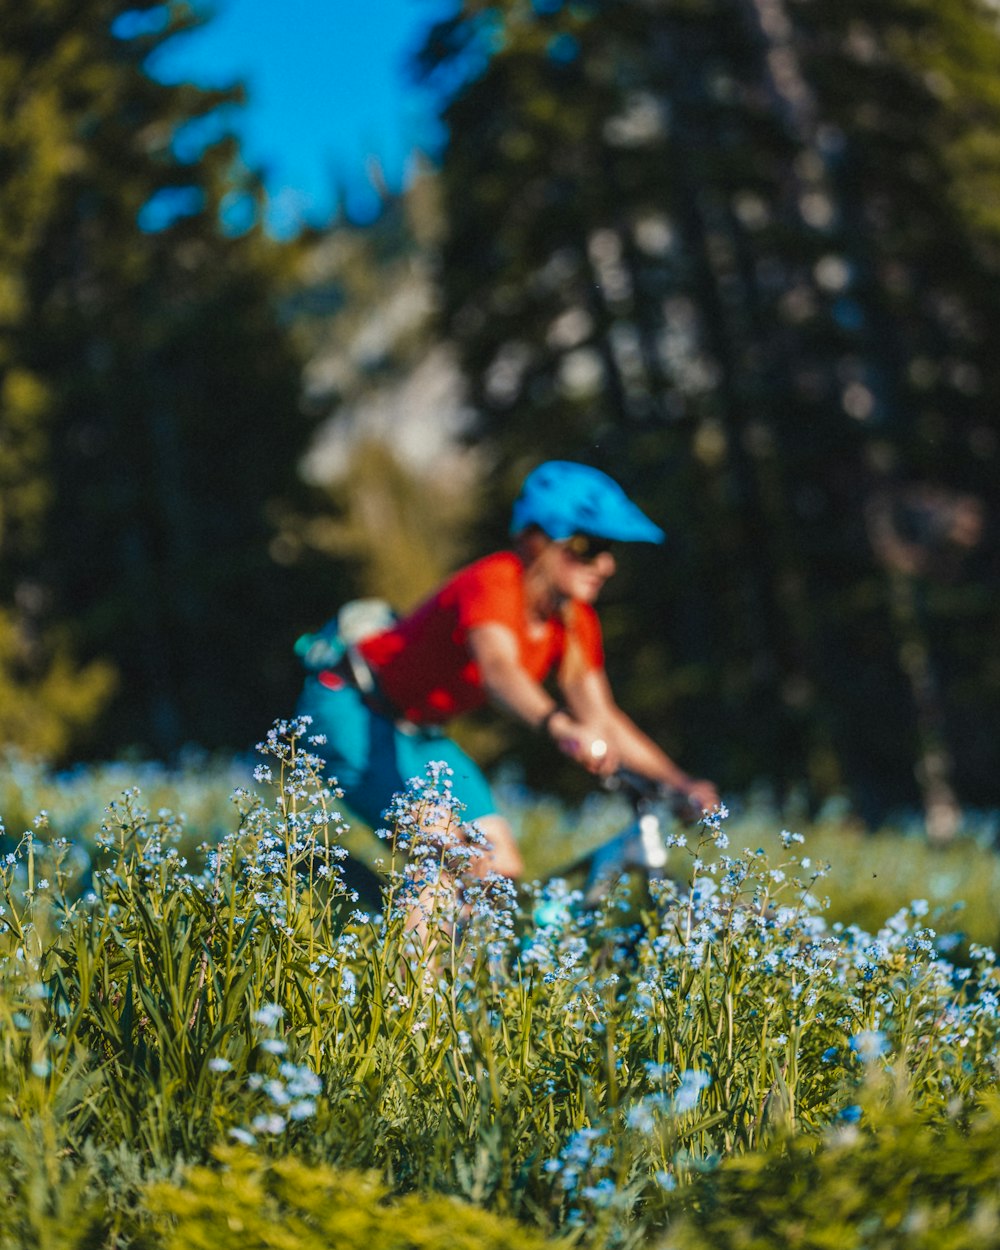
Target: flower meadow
216	1042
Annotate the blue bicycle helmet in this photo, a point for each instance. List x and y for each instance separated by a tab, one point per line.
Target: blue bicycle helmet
563	498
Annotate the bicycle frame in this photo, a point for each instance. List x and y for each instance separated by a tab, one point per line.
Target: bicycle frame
640	846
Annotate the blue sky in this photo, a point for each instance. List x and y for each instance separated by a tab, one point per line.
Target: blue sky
329	89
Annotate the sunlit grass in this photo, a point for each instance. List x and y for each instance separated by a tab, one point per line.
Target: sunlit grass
166	996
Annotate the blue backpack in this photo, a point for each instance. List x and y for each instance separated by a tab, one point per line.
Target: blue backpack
357	620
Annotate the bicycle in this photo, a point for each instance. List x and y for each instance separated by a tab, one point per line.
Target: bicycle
640	847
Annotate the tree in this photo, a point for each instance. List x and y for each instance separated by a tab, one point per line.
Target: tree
720	247
150	389
397	485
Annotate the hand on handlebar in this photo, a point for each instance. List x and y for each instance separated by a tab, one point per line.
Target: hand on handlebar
588	748
688	800
703	796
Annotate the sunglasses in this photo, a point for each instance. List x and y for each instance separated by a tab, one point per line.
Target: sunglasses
586	548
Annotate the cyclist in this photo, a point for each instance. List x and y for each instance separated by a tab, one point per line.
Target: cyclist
492	633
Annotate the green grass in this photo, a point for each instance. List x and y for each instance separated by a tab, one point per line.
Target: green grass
871	874
186	1032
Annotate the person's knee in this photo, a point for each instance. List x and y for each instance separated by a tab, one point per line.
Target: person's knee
501	851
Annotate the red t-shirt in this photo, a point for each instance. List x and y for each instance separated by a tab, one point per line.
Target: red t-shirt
423	663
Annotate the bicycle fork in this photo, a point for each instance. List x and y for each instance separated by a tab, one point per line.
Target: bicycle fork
641	846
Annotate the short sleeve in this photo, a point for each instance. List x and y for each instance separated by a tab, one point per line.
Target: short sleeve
491	591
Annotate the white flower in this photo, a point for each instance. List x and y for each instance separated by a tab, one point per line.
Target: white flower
869	1044
272	1123
692	1083
269	1015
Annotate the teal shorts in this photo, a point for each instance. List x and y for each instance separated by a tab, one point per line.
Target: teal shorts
371	758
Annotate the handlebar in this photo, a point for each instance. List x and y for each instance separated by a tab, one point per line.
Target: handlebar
639	790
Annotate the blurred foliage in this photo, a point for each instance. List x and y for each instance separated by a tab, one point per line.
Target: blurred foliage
251	1201
743	257
200	787
587	1078
897	1182
395	493
149	395
45	697
393	527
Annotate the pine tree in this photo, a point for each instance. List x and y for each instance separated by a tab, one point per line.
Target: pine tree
150	388
731	250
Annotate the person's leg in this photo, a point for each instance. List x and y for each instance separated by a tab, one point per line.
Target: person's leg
360	751
372	760
340	717
472	792
502	854
440	904
359	748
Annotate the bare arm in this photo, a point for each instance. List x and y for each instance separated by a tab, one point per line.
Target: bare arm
590	699
495	650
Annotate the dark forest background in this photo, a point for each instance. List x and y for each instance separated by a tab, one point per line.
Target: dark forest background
742	254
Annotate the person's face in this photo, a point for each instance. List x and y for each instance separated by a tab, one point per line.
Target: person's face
579	566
